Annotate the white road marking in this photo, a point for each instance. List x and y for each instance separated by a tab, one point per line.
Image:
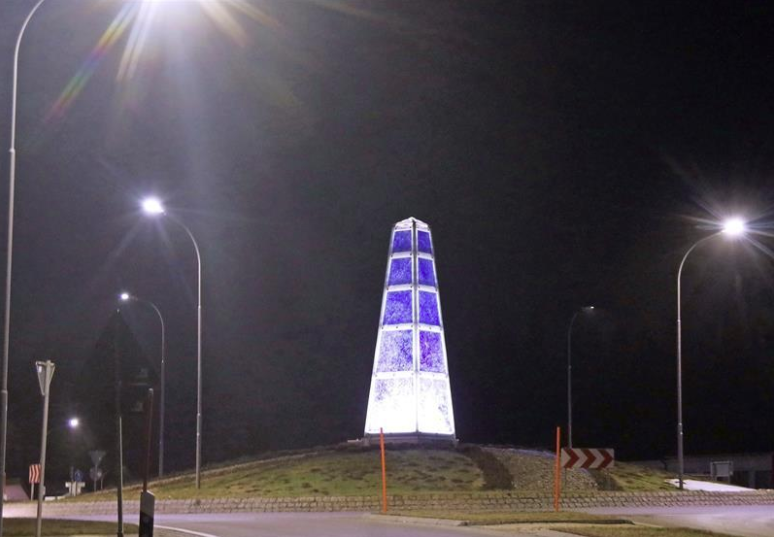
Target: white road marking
189	532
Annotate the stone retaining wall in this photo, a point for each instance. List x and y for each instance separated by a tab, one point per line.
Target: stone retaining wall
493	501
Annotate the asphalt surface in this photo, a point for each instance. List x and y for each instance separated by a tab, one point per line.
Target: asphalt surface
309	524
742	520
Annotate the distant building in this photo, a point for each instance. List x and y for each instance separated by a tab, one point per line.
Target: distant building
410	397
753	470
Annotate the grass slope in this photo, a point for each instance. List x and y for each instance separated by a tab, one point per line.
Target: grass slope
24	527
635	478
355	471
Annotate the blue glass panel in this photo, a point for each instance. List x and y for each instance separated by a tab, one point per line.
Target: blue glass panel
395	351
431	352
423	242
426	274
428	308
401	242
400	271
398	308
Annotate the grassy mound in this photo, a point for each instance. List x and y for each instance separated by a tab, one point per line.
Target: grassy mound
633	478
533	471
356	471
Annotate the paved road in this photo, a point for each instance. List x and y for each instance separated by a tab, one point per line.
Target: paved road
742	520
312	524
308	524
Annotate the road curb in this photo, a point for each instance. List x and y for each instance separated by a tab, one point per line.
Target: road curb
399	519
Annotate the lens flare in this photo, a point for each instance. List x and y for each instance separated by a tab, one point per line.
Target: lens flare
76	84
153	206
734	227
140	21
138	18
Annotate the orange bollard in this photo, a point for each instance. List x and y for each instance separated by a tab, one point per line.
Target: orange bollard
384	472
558	471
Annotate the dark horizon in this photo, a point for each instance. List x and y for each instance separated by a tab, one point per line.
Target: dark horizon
564	154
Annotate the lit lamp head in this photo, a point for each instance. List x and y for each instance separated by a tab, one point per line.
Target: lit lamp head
73	423
734	227
125	297
153	207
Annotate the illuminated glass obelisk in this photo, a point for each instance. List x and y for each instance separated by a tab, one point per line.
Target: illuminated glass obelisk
410	398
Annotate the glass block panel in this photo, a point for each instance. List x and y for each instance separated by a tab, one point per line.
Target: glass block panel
395	351
435	414
400	271
423	242
397	310
426	273
392	406
431	352
401	242
428	308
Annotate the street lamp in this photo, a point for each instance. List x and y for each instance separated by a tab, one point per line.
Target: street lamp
569	373
154	207
127	297
733	227
9	258
9	261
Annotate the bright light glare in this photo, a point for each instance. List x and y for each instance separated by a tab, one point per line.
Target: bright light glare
590	307
152	206
124	296
734	227
73	423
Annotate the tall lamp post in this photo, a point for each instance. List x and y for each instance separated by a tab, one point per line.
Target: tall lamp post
733	228
154	207
127	297
9	260
569	373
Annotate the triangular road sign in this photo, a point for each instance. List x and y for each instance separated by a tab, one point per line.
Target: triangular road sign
45	372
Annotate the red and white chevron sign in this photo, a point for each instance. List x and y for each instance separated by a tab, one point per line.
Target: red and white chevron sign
34	473
589	458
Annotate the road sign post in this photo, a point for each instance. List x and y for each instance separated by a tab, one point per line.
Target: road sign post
147	499
384	471
45	372
96	473
34	479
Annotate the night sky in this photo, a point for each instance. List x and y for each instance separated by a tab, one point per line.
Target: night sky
564	154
